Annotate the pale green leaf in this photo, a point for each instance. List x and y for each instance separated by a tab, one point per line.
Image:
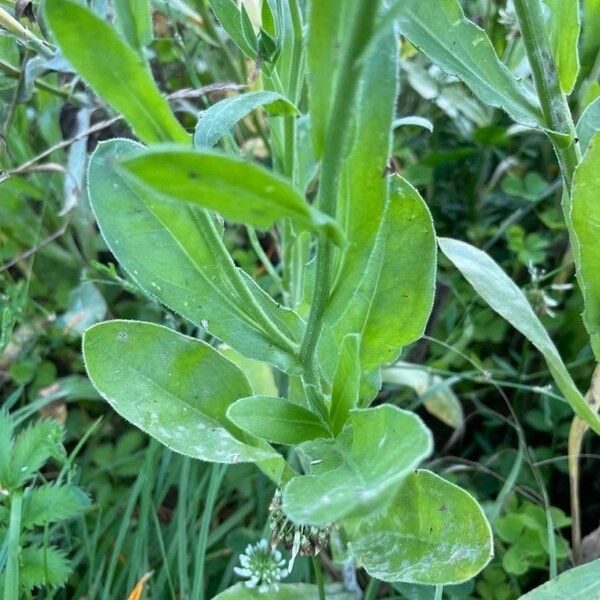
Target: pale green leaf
359	471
166	248
221	117
433	533
434	392
239	190
134	22
463	49
276	420
289	591
259	374
585	214
346	382
564	38
406	286
230	18
175	388
43	566
49	503
591	32
579	583
114	70
503	296
588	124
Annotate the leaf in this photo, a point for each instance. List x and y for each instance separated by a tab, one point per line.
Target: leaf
585	214
115	71
432	533
231	19
503	296
134	22
359	471
276	420
43	567
237	189
564	39
463	49
166	249
49	503
259	374
579	583
414	121
175	388
406	286
591	32
86	307
221	117
288	591
6	431
588	125
435	393
346	382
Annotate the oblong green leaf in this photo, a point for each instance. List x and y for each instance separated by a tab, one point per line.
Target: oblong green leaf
134	21
175	388
585	214
237	189
230	18
276	420
114	70
463	49
163	247
217	120
358	471
286	591
564	37
503	296
432	533
580	583
588	124
346	382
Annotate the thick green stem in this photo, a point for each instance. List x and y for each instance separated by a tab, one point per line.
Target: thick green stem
319	577
555	107
11	578
332	161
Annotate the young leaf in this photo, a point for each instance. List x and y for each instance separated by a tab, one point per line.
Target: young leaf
564	38
175	388
134	21
166	249
503	296
359	471
43	566
346	382
49	503
579	583
276	420
463	49
585	213
432	533
406	287
230	18
237	189
215	122
287	591
114	70
588	124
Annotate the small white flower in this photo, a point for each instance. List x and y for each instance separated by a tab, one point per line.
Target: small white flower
262	567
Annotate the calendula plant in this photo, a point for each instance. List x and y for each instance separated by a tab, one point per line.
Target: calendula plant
355	274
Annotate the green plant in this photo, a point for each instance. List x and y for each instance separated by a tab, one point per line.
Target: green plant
32	512
340	317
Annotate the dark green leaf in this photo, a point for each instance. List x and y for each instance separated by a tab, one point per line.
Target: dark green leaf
43	566
49	503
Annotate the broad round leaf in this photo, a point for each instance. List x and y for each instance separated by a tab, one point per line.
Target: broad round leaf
433	532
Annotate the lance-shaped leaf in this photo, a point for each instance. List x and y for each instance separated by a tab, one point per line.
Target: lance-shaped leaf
432	533
359	471
235	23
277	420
589	124
287	591
580	583
585	213
405	290
175	388
463	49
217	120
346	382
134	22
239	190
115	71
503	296
564	37
168	249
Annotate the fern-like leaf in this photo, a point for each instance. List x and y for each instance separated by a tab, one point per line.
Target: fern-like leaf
43	567
49	503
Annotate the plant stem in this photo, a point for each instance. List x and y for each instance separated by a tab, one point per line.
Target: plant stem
332	161
439	592
11	579
372	589
319	577
555	107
